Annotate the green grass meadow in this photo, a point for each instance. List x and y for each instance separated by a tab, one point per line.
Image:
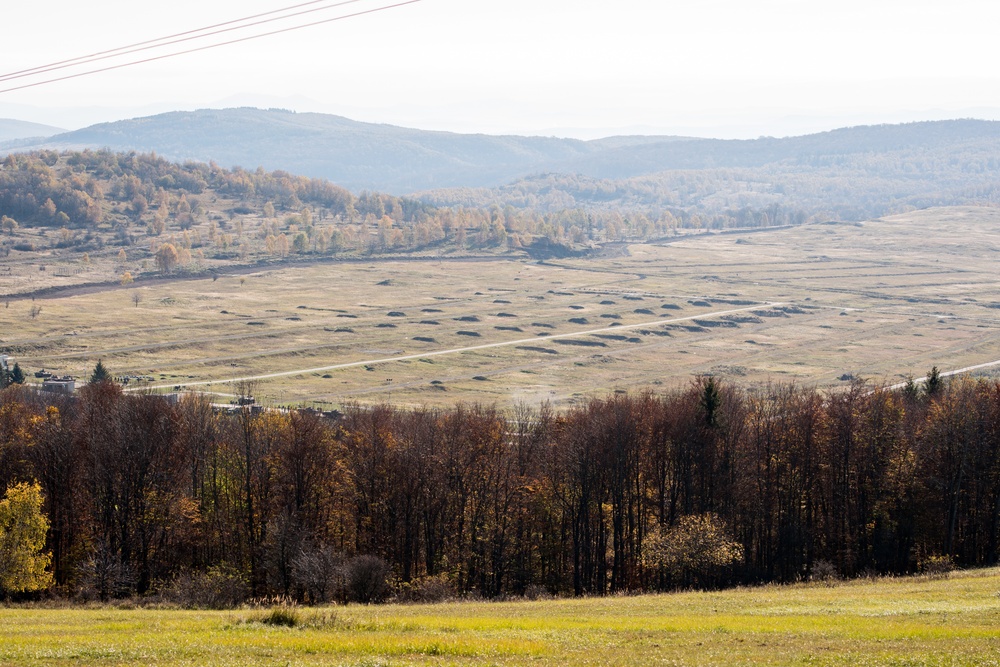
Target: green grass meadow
910	621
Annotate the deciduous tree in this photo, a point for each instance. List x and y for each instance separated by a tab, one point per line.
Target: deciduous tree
23	561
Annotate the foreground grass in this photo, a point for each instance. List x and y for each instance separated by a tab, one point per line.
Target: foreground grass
953	621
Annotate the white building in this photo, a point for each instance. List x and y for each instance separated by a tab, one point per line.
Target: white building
63	385
3	362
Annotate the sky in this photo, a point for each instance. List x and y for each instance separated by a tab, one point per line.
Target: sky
583	68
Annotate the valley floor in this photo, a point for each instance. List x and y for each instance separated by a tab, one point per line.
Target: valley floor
819	305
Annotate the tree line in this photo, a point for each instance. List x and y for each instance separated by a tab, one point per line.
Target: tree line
86	200
704	486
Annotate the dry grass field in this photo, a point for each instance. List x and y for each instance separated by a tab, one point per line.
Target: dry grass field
816	304
910	621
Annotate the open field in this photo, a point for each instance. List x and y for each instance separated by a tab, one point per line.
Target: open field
916	621
817	304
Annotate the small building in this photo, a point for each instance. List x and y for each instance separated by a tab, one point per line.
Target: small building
62	385
4	363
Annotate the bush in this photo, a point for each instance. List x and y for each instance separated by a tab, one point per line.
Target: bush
283	616
825	571
319	572
367	579
217	588
936	566
287	615
104	576
537	592
438	588
697	547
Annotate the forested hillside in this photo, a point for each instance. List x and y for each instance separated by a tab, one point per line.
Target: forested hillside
105	203
707	486
851	174
93	200
358	156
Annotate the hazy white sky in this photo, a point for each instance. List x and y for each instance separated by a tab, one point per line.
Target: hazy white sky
583	67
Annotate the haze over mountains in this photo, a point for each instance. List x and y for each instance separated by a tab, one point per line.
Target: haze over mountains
19	129
850	172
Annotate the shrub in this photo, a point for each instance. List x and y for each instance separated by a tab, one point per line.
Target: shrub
438	588
366	578
823	570
936	566
319	571
698	546
104	576
537	592
216	588
283	616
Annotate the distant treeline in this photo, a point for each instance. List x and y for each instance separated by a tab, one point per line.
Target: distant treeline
814	186
707	486
91	199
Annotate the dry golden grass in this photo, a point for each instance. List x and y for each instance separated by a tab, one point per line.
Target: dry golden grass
879	300
918	621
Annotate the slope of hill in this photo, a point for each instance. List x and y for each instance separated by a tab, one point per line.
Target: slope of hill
18	129
359	156
821	149
850	173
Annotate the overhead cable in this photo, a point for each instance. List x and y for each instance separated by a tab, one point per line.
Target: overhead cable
204	48
127	48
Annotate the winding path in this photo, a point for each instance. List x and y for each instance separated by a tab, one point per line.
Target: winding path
458	350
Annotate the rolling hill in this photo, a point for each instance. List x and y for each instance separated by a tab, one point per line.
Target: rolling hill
359	156
849	173
18	129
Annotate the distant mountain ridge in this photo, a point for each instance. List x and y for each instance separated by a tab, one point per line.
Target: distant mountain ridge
355	155
11	130
387	158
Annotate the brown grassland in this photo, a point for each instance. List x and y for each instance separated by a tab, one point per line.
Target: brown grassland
818	304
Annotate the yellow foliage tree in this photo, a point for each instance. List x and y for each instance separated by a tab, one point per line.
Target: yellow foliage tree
167	257
23	525
695	547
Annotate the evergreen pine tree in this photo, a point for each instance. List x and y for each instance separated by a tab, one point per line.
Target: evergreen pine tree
17	375
100	373
934	382
710	401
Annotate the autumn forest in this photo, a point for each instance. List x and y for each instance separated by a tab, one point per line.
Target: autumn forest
706	486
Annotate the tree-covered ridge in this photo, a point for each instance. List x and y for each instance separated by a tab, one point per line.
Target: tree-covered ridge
710	485
850	173
360	156
828	179
91	199
174	215
103	187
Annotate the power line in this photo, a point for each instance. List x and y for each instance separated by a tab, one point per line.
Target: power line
186	36
151	41
209	46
